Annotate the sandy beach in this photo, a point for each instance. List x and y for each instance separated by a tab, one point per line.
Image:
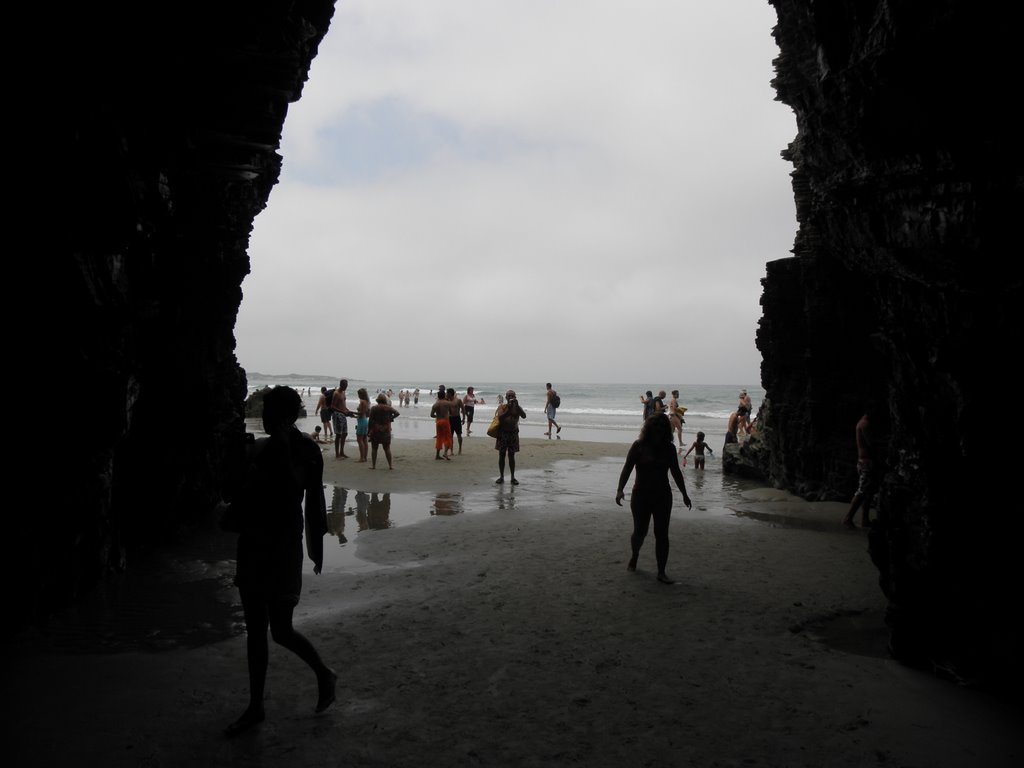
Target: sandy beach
498	626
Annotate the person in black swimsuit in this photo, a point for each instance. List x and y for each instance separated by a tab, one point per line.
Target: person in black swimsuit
653	455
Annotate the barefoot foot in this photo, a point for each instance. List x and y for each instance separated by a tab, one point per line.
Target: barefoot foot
631	565
326	684
248	719
665	579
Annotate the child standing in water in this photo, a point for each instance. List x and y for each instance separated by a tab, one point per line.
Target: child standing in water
363	425
700	446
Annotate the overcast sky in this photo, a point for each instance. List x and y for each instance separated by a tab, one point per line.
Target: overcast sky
551	190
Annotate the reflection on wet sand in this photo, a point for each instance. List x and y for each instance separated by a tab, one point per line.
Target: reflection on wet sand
372	511
447	504
378	513
506	501
336	514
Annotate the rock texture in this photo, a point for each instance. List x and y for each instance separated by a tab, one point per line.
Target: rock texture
903	287
170	117
903	283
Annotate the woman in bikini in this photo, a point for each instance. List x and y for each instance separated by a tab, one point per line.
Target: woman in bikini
653	456
363	425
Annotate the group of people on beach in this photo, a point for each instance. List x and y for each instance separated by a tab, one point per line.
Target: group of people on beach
282	495
739	426
372	426
407	396
655	404
450	414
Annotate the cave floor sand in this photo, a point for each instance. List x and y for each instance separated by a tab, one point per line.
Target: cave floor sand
516	637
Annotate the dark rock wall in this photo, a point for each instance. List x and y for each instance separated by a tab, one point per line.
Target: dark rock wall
904	286
169	116
903	282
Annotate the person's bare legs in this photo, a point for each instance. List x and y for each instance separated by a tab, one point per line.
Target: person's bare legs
501	466
373	457
387	455
641	523
258	616
286	635
661	545
257	620
858	499
865	512
512	467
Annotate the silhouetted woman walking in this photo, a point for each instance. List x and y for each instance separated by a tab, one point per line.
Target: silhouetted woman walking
653	455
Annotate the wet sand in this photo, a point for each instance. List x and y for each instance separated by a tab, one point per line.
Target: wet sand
492	626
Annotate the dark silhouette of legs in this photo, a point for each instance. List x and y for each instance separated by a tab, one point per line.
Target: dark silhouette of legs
641	524
643	512
278	617
661	518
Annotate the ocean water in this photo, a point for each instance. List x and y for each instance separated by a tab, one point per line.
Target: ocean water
609	413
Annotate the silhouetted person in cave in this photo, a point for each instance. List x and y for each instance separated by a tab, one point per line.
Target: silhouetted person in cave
268	514
867	471
654	457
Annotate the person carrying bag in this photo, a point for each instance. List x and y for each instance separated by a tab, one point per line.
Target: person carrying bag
492	430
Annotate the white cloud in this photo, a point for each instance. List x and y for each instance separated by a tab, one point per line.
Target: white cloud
462	178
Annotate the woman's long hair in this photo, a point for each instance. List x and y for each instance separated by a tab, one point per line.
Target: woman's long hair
656	431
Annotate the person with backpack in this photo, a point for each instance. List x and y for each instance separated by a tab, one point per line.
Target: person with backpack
648	403
550	407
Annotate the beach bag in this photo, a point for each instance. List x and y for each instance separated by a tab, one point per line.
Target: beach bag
492	431
556	401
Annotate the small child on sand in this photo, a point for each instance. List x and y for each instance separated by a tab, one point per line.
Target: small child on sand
316	435
700	446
